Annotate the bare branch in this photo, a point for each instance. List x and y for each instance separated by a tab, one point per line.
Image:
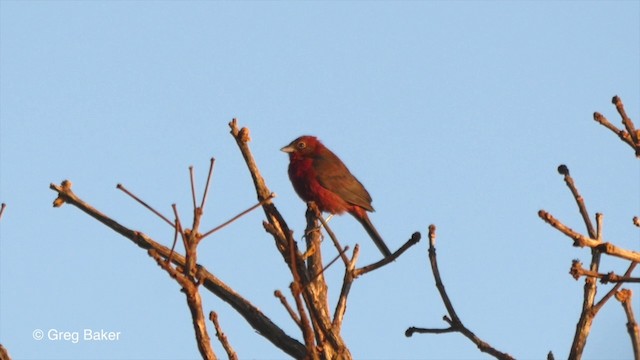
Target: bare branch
194	301
207	185
454	321
628	124
349	277
564	170
192	180
261	323
261	203
624	296
623	135
285	303
222	337
415	238
631	136
581	240
2	207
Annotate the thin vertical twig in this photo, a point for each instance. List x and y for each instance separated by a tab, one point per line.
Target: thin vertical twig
208	184
193	186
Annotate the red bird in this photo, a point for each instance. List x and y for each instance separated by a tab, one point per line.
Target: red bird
318	175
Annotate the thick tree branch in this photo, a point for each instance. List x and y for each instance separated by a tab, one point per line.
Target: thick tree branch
194	302
261	323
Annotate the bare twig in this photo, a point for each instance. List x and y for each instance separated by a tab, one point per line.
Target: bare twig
2	207
208	184
192	180
631	136
121	187
261	203
285	303
222	337
347	281
628	124
564	170
624	296
414	239
346	248
454	321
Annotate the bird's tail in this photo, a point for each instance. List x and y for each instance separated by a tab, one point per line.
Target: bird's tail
363	218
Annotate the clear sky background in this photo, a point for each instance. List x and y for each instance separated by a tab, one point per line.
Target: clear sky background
451	113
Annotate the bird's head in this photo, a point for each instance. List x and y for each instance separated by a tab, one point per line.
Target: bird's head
304	146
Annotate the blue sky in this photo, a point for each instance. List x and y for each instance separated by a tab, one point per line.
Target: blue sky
451	113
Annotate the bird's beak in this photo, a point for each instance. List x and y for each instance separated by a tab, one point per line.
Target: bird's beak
288	149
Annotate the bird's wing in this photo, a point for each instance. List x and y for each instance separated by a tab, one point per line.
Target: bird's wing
334	176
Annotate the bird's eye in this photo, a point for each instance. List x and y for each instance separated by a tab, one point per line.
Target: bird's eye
301	145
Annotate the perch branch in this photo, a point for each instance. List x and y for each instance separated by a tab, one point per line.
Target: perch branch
626	121
314	208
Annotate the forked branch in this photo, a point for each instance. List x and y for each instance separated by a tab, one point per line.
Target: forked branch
630	135
455	324
260	322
